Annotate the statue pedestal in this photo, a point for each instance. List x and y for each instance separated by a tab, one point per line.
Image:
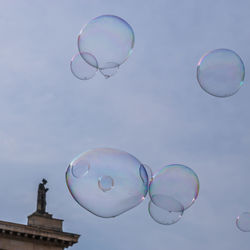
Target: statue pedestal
43	232
45	221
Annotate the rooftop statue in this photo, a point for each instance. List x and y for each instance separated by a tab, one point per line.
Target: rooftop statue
41	197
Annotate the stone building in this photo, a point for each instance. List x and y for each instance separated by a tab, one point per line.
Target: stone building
43	232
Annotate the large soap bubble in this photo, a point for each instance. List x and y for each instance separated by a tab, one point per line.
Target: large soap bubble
109	69
81	69
221	72
109	38
107	182
174	188
163	216
243	222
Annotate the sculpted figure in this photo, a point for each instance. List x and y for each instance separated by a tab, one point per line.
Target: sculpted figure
41	197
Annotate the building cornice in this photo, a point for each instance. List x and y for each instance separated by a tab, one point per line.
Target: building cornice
41	235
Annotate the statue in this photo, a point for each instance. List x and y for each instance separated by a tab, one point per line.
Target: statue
41	197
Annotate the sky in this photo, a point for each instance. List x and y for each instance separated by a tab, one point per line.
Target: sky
152	108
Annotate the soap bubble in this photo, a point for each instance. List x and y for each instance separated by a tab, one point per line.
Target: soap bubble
81	69
81	168
174	188
144	177
243	222
107	182
167	203
109	69
163	216
221	72
109	38
149	172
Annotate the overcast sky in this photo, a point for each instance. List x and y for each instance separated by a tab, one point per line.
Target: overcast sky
152	108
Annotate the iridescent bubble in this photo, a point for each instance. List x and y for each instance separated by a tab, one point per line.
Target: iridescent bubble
221	72
80	168
163	216
167	203
243	222
107	182
109	69
81	68
174	188
149	172
144	177
109	38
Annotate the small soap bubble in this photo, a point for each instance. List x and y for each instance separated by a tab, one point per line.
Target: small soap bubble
149	172
243	222
109	69
80	168
163	216
109	38
174	188
107	182
144	176
167	203
221	72
81	68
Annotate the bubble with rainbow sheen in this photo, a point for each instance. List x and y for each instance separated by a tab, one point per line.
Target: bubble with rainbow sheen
149	172
109	69
174	188
163	216
109	38
221	72
107	182
81	69
243	222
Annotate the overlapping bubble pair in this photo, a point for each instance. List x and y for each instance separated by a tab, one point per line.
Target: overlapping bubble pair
104	44
108	182
172	190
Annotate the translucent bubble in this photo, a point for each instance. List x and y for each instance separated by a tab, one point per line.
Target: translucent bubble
144	177
81	69
149	171
80	168
174	187
243	222
163	216
107	182
221	72
109	38
167	203
109	69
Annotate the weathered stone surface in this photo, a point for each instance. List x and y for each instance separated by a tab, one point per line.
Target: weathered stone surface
43	232
43	221
15	236
41	197
12	244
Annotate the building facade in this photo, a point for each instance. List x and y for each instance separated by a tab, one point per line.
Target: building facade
42	232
